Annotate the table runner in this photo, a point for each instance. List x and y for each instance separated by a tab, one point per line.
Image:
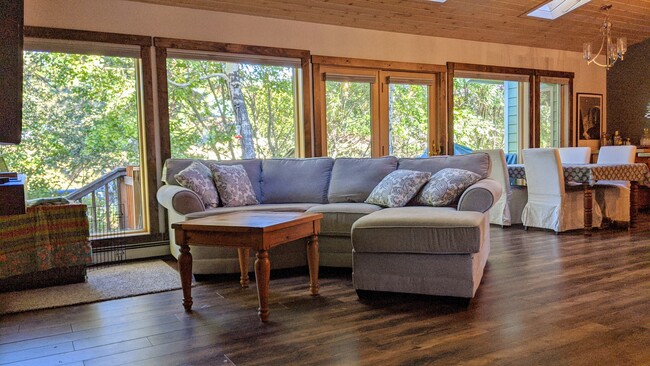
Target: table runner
589	173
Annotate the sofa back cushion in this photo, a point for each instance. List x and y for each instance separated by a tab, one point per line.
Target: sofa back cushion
354	178
296	180
478	163
253	168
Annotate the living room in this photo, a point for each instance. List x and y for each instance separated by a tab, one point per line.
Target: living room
323	43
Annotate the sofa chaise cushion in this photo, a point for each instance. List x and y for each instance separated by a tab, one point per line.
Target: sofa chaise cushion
419	230
353	179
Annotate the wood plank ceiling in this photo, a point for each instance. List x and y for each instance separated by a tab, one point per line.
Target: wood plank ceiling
500	21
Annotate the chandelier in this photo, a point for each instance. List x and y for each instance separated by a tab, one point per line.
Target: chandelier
614	51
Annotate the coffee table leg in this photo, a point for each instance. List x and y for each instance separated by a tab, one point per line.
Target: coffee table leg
244	255
262	274
185	268
312	260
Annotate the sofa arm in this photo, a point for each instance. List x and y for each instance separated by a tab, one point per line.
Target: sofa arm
179	199
480	196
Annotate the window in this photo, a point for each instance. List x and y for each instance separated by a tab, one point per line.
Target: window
82	131
226	101
491	109
350	109
231	110
369	111
489	113
553	110
410	104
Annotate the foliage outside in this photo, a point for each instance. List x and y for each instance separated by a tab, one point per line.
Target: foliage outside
479	121
80	121
203	122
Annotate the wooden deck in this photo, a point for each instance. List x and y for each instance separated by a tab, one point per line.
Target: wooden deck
545	299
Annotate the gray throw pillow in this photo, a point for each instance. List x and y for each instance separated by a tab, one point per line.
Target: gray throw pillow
233	184
397	188
198	178
445	187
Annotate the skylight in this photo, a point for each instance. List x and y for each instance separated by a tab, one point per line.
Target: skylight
556	8
438	1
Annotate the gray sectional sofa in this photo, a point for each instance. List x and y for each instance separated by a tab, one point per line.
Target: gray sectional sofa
457	236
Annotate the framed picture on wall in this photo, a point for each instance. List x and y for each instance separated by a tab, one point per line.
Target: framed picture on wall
589	116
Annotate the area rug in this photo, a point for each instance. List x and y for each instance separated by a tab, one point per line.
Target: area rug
112	282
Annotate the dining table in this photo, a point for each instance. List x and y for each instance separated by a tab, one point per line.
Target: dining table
589	174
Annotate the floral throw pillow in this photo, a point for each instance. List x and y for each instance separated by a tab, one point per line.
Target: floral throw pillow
233	185
445	187
198	178
397	188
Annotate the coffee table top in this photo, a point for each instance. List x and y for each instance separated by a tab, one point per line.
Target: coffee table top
264	221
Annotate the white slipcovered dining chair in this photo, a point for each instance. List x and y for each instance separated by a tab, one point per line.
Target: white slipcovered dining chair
613	196
500	211
575	155
552	204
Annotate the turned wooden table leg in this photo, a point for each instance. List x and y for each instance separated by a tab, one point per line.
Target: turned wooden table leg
588	208
262	275
185	268
313	261
244	255
634	202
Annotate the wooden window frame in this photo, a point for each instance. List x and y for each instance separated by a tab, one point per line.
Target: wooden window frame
534	77
161	45
147	125
437	112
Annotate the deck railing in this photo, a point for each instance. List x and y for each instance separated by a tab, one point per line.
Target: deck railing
114	202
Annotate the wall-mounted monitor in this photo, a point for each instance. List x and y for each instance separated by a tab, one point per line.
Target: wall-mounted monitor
11	70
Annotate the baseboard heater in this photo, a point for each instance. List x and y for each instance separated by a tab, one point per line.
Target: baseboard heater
125	252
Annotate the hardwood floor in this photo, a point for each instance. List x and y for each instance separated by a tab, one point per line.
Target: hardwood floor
545	299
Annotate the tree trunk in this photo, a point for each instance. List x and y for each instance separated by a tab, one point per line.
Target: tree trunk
239	108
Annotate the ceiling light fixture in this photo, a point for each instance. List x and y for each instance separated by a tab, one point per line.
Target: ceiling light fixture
614	51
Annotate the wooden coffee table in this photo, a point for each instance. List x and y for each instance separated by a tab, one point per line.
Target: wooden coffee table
258	230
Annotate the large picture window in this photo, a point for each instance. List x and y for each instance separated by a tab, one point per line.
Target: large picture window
229	110
225	101
82	131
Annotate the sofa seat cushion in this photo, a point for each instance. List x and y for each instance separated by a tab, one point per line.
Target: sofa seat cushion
291	207
296	180
338	217
420	230
354	178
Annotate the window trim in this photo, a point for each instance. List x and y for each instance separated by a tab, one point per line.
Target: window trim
161	45
146	126
534	77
